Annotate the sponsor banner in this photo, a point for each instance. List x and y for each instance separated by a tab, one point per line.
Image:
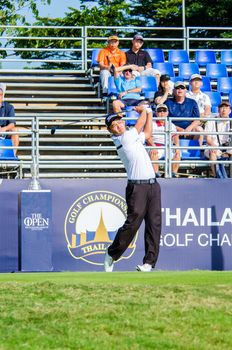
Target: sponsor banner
196	230
35	231
9	191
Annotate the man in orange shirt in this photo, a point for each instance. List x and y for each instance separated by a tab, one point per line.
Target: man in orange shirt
107	57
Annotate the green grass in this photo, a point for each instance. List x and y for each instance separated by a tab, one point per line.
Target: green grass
126	311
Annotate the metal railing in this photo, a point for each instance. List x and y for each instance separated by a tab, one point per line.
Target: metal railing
170	148
70	47
97	158
12	165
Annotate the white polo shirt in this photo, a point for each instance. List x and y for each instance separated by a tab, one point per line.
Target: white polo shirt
134	156
201	99
222	126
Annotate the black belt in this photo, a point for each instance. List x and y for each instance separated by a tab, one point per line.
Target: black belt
138	182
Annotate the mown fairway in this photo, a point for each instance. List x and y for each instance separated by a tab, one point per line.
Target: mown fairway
126	311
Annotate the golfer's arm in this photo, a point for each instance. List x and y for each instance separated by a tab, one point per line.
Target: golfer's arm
141	121
148	125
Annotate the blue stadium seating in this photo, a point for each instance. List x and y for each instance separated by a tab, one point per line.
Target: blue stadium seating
187	69
226	57
94	62
132	116
216	70
165	68
189	153
224	85
149	86
112	90
215	98
205	56
157	55
178	56
6	154
230	97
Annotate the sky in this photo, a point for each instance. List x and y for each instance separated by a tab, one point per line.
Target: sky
57	8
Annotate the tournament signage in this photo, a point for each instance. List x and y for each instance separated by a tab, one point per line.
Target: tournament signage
196	224
91	225
35	231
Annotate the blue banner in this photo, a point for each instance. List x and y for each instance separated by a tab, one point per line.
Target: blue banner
35	231
196	230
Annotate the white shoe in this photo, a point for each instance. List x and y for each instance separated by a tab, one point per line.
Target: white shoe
144	268
108	263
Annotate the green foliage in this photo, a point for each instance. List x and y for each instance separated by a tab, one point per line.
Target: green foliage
159	13
116	13
10	10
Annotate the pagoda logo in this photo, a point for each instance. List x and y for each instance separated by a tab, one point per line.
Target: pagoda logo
91	224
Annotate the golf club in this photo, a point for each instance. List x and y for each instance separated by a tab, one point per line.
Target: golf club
54	128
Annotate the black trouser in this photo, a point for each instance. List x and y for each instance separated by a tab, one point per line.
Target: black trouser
143	202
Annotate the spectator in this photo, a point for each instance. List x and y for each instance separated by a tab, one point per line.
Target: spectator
141	60
181	106
128	88
158	139
7	111
165	89
220	126
202	100
108	57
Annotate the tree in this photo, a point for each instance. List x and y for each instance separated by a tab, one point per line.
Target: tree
10	11
116	13
104	15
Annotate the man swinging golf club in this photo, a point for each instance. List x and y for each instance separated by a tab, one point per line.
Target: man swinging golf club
142	191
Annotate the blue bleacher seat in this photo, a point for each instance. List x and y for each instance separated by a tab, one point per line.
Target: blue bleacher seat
189	153
215	70
94	62
226	57
112	90
175	79
205	56
230	97
215	98
149	86
156	55
187	69
8	153
206	85
178	56
132	116
165	68
224	85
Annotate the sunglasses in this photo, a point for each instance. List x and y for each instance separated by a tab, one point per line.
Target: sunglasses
128	70
180	87
161	110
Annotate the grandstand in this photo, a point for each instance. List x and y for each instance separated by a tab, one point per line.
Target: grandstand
71	98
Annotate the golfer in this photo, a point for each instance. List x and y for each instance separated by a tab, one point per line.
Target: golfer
142	191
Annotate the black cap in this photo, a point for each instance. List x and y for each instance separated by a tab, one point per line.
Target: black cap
110	118
164	77
138	37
